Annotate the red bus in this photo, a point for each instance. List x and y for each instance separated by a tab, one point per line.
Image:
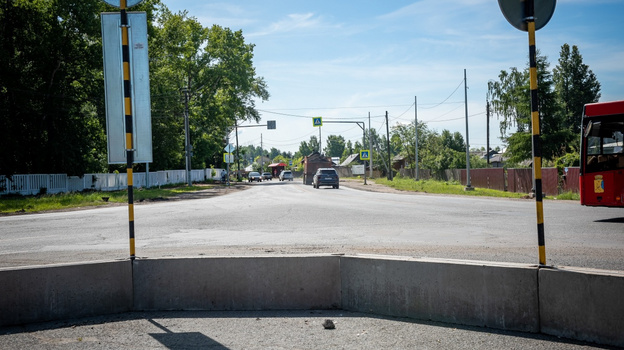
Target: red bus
602	155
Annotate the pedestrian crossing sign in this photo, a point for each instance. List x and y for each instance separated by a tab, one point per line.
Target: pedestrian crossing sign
364	154
228	158
317	121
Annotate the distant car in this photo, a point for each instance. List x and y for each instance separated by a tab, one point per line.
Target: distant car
326	177
267	176
254	176
286	175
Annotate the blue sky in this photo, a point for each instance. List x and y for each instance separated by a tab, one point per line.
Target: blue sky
345	59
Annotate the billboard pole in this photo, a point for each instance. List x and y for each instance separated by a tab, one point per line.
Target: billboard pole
129	123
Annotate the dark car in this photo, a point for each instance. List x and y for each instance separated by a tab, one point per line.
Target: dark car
267	176
326	177
254	176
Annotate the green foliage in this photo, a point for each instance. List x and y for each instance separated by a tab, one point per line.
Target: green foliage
561	94
51	100
210	70
567	160
335	146
575	85
52	110
307	148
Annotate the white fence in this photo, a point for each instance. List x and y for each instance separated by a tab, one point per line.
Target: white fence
57	183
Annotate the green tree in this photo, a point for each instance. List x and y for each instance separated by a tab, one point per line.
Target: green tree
348	150
453	141
335	146
575	85
211	71
560	105
51	83
307	148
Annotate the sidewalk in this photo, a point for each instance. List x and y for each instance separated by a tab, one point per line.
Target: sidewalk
266	330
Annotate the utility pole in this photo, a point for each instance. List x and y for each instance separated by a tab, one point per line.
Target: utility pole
468	185
416	137
187	135
261	156
390	177
227	143
370	146
487	142
238	172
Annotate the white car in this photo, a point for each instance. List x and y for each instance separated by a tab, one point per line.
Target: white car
286	175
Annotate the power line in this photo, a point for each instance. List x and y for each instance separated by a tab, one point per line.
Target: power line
449	96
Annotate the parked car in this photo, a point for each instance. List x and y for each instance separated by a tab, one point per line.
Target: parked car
267	176
254	176
326	177
286	175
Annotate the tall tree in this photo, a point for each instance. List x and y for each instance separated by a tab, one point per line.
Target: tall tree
335	146
51	100
575	85
559	126
307	148
210	70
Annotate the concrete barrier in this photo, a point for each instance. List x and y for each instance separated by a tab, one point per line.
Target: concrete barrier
583	304
241	283
502	296
578	304
53	292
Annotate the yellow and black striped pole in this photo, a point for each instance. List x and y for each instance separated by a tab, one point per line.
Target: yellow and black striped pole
537	145
125	50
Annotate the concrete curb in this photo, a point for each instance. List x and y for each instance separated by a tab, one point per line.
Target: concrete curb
573	303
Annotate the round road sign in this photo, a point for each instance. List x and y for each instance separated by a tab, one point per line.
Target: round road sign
515	12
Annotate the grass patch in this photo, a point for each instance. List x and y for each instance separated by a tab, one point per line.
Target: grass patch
17	203
569	196
442	187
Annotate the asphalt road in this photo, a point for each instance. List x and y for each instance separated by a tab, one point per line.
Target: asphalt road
288	217
273	218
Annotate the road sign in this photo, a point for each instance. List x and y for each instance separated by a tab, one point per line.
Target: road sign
228	158
364	154
114	88
229	148
270	124
317	121
515	12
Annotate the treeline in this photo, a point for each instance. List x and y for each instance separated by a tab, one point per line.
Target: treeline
52	112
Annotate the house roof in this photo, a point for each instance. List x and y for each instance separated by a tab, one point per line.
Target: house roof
273	165
350	159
